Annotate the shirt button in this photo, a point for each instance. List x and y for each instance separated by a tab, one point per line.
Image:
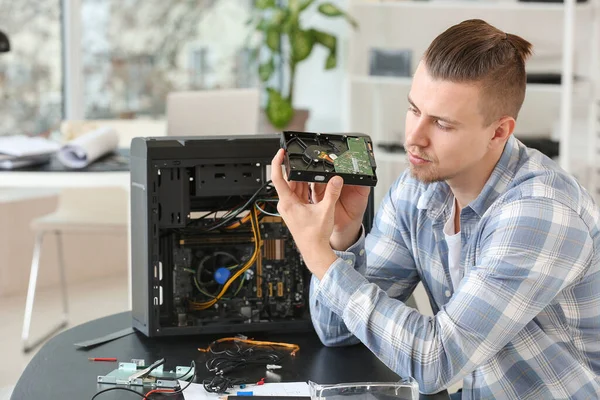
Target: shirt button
349	262
448	293
361	252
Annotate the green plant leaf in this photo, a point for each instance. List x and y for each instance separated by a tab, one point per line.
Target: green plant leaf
301	43
331	61
266	70
325	39
262	25
290	23
273	38
305	4
294	5
332	10
279	110
278	17
264	4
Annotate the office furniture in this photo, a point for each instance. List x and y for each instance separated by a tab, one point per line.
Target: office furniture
18	207
213	112
61	371
110	172
80	211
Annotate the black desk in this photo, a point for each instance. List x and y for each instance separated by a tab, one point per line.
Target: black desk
60	371
112	162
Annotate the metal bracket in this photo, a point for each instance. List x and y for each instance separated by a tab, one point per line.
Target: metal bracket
157	378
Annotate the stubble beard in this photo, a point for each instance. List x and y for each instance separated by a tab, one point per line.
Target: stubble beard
425	174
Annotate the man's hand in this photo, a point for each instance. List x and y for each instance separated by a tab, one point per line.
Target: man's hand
311	221
349	211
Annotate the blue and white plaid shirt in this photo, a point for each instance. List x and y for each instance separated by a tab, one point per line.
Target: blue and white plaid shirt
524	323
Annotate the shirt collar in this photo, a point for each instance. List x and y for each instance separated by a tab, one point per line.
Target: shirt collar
437	195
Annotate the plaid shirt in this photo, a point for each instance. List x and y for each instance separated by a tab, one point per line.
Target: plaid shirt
524	323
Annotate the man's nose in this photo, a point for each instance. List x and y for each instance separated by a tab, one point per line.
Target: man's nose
416	133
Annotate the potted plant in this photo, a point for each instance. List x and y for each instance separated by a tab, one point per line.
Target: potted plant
285	42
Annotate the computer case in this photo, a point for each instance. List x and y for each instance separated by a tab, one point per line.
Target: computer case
188	243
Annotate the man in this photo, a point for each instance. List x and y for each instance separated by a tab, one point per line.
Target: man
507	245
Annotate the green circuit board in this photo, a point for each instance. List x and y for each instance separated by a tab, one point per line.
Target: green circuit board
355	160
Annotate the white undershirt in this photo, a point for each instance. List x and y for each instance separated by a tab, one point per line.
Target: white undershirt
454	245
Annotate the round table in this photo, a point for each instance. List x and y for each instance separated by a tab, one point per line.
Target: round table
62	371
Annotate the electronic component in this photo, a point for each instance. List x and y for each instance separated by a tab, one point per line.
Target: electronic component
317	157
210	253
153	376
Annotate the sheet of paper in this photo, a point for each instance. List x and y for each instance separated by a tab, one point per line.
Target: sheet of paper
280	389
196	390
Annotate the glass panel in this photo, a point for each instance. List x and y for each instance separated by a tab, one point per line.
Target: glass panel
31	72
136	51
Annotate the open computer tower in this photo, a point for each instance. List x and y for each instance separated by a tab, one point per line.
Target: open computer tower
209	252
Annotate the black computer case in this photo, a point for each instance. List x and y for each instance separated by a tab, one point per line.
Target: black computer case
178	256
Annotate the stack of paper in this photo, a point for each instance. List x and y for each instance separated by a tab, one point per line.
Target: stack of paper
21	151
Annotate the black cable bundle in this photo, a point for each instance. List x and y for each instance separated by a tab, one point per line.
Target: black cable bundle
222	362
220	384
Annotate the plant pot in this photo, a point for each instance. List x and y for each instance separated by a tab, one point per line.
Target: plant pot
298	122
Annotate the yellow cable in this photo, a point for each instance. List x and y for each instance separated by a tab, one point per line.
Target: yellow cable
293	347
257	246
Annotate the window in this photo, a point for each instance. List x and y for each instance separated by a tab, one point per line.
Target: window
136	51
131	54
31	73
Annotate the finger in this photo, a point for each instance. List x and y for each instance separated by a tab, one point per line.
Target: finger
293	185
301	190
333	191
283	190
318	190
364	191
305	192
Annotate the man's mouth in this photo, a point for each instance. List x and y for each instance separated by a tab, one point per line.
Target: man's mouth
416	160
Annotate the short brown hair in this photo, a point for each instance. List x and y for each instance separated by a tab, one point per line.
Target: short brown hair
475	51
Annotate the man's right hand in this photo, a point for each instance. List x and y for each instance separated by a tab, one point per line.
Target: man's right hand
349	211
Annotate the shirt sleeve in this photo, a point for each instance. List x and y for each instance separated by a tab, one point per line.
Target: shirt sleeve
390	266
530	250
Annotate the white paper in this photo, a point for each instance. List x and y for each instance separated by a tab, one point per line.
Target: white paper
87	148
196	391
23	146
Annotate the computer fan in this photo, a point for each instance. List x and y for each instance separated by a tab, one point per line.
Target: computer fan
317	157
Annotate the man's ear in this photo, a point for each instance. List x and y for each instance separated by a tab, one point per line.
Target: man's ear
505	127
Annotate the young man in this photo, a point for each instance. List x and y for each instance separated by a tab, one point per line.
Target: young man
506	244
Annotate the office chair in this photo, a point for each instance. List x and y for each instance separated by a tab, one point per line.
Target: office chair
103	211
213	112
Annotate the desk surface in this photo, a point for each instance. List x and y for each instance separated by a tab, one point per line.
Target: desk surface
110	171
60	371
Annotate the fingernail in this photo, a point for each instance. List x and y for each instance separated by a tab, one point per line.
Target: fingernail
337	181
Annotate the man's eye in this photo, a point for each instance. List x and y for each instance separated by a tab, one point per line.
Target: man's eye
413	110
443	127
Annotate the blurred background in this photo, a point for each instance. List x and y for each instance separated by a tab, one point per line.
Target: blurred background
152	68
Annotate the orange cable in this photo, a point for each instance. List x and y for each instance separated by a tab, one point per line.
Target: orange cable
293	347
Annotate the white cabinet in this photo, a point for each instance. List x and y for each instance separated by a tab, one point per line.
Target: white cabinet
377	105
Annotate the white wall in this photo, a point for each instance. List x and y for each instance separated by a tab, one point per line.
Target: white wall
317	89
324	92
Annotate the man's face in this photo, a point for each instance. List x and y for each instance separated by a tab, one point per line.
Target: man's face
445	133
